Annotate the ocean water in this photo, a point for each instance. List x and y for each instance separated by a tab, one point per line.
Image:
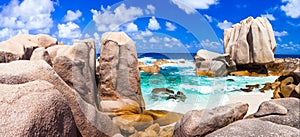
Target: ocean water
201	92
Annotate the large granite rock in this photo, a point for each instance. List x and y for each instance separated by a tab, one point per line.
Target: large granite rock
255	128
89	121
285	66
119	73
287	86
35	109
213	64
76	65
41	54
289	117
251	41
22	46
202	122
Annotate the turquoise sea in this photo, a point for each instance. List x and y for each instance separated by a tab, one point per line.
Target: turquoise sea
201	92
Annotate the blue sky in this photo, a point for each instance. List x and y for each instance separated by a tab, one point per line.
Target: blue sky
155	25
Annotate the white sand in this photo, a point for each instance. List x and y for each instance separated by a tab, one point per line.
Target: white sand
254	99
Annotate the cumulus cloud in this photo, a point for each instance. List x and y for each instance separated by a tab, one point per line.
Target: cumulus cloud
71	15
69	30
153	40
280	34
153	24
189	6
131	27
170	26
269	16
210	45
224	25
291	8
107	20
29	15
150	9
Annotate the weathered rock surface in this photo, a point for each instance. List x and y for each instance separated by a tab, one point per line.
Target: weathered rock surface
213	64
166	131
35	109
286	86
138	121
291	118
89	121
22	46
163	117
251	41
76	66
202	122
41	54
283	66
254	128
119	73
154	69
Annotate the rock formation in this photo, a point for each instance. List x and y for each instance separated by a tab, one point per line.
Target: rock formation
119	74
213	64
35	109
22	46
251	41
254	128
284	111
89	121
281	67
202	122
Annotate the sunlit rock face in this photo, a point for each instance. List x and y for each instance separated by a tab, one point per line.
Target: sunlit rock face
251	41
119	74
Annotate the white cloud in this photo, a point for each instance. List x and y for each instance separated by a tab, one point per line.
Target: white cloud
29	15
69	30
166	39
71	15
107	20
170	26
189	6
224	25
291	8
150	9
210	45
153	40
7	33
280	34
131	27
146	33
153	24
269	16
209	18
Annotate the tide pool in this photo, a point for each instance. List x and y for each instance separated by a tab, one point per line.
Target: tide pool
201	92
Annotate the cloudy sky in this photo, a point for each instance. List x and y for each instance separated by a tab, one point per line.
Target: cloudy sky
155	25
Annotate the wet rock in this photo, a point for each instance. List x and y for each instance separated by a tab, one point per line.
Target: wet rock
267	86
120	77
160	62
163	117
138	121
166	131
254	127
35	109
202	122
161	92
153	69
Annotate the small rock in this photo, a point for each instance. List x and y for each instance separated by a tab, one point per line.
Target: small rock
166	131
270	108
254	128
